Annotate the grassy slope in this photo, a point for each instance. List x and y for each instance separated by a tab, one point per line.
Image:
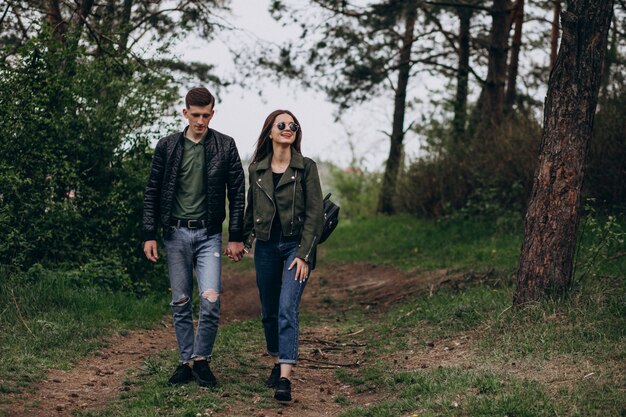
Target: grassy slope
504	369
49	322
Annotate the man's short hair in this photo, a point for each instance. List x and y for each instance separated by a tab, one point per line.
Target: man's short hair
199	96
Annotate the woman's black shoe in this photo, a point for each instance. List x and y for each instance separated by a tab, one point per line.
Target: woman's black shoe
274	377
283	390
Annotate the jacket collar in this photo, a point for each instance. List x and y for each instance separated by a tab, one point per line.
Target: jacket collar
209	135
264	171
297	161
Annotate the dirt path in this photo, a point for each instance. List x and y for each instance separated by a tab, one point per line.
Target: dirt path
99	379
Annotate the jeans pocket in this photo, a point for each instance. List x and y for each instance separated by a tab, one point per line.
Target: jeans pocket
169	232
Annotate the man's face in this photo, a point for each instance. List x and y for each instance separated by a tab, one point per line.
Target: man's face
198	118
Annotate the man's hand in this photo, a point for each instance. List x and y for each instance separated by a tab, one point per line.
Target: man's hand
150	249
234	251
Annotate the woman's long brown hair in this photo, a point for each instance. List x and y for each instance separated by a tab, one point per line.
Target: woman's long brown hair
264	144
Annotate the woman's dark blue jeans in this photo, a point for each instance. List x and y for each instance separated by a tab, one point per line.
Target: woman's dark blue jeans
280	295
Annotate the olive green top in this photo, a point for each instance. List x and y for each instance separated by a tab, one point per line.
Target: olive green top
190	198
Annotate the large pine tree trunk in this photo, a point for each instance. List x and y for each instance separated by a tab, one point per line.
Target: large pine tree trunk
385	204
547	257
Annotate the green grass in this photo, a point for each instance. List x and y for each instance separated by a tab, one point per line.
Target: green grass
580	336
238	367
583	333
49	323
453	391
419	244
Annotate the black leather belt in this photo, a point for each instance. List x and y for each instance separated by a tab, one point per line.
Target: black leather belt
190	224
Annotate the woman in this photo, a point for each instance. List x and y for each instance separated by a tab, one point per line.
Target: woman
285	216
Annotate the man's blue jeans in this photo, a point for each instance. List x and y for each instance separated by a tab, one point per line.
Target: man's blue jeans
280	295
189	251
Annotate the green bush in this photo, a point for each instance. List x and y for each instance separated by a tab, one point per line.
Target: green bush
74	157
358	191
488	175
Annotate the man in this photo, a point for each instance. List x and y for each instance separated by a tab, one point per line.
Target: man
190	175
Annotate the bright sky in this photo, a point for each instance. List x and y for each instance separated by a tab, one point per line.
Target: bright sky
361	133
240	113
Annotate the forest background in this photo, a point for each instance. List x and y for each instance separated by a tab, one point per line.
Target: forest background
83	99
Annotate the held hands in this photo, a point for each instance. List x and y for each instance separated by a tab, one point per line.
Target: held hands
302	269
150	249
235	251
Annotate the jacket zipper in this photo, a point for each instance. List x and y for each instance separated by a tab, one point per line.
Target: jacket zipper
273	204
293	202
306	258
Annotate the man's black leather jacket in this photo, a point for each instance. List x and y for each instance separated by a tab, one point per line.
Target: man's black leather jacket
223	173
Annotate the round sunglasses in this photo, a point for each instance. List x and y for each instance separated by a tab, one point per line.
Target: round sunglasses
282	126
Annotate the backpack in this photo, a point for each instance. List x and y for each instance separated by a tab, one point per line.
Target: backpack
331	218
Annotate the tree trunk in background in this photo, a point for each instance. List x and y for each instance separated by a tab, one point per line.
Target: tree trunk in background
489	109
125	25
511	87
496	73
611	58
460	103
82	12
551	224
554	35
60	28
56	20
385	204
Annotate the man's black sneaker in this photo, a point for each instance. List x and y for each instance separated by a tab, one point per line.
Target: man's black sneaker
181	375
274	377
283	390
203	374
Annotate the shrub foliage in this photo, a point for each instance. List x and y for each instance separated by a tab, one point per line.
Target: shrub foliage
74	155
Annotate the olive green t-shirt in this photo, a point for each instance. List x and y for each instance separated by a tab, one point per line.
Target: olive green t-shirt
190	199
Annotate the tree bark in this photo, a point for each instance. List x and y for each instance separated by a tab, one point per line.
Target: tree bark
125	25
511	86
496	72
385	204
462	78
55	19
82	12
489	109
552	217
554	35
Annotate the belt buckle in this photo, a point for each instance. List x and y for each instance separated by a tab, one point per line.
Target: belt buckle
195	224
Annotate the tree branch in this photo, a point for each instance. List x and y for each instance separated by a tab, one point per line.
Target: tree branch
19	21
459	5
4	14
451	40
343	365
341	11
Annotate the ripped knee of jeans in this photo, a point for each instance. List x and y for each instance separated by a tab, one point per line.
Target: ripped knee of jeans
181	301
211	295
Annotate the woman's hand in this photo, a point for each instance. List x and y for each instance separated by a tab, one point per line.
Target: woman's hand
302	269
235	251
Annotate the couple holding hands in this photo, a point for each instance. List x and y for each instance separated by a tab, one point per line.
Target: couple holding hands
192	173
